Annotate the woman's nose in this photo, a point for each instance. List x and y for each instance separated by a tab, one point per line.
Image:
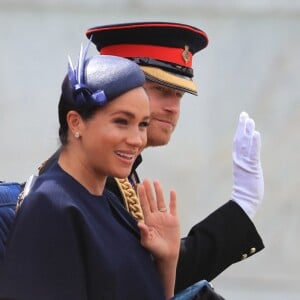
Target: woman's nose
137	138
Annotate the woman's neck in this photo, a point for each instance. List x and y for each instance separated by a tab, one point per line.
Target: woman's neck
75	167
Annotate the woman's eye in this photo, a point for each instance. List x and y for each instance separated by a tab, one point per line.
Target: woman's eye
121	121
144	124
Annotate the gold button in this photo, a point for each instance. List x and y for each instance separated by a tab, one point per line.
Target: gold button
252	250
244	256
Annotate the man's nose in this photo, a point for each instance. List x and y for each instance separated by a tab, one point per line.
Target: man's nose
172	104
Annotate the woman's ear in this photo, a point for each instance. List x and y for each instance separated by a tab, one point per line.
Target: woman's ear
75	123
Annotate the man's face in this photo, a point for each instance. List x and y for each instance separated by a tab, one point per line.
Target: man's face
165	109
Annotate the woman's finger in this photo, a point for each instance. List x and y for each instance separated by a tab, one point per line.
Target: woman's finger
143	200
149	195
173	204
160	202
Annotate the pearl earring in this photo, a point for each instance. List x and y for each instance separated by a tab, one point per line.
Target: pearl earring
77	135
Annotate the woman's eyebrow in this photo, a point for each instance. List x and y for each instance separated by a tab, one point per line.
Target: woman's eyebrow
128	114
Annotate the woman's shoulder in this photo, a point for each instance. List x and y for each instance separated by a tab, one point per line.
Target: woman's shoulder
50	188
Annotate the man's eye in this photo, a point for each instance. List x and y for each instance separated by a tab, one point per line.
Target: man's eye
179	95
159	88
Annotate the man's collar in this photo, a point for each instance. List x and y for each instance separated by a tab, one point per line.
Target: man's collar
136	163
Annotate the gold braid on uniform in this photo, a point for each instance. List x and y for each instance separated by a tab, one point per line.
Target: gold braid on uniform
130	197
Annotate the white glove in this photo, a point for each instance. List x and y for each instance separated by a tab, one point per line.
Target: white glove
248	181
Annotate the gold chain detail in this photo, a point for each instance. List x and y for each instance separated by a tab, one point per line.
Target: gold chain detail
130	197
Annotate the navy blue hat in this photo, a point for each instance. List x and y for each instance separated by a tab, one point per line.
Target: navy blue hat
101	78
113	75
163	50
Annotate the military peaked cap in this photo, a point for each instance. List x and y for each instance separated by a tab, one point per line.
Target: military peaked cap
163	50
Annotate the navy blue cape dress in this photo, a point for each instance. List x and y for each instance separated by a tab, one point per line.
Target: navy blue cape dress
67	244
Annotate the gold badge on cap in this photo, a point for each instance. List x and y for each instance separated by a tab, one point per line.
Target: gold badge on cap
186	54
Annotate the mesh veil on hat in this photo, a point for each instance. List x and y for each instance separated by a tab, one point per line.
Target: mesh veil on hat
163	50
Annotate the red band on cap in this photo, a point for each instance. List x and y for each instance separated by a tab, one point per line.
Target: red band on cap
167	54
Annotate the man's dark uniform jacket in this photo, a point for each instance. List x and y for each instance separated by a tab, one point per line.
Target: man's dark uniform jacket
224	237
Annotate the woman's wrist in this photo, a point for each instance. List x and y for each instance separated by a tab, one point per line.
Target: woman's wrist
167	270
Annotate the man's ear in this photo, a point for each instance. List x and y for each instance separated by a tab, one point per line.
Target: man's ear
75	122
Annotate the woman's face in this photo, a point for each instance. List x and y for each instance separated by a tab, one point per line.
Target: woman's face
113	138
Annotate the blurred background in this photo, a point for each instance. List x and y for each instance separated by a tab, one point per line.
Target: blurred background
251	64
